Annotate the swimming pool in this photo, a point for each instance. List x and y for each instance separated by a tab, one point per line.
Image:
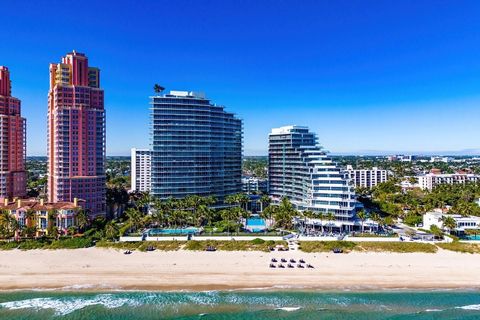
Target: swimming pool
473	237
255	224
185	231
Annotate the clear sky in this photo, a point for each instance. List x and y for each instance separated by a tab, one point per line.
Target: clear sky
365	75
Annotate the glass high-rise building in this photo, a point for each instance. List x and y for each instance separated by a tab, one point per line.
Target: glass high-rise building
76	134
300	170
196	147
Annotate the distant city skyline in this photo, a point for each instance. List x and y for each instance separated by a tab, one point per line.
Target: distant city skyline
368	77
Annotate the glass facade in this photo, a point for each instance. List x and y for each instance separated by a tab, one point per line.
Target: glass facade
300	170
196	147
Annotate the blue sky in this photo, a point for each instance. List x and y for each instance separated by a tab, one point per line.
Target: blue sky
367	76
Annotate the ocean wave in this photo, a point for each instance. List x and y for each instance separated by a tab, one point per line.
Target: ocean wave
63	306
289	309
470	307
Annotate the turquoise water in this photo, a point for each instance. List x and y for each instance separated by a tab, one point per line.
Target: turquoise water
235	305
256	224
473	237
154	232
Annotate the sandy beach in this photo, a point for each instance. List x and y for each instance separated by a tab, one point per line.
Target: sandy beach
107	269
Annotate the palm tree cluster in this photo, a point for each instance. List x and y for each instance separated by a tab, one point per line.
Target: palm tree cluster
10	227
198	211
389	201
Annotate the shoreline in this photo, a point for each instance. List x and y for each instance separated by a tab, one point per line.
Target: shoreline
326	290
109	270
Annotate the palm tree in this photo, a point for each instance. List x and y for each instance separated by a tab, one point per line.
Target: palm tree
362	215
81	218
143	202
111	231
30	217
52	229
243	200
71	231
284	214
376	217
228	216
449	223
307	214
8	224
231	199
134	217
269	213
264	199
330	218
158	88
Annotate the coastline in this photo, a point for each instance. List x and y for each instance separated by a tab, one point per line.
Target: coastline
107	270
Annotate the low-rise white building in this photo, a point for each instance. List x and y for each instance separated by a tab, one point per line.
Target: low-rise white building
141	170
367	178
462	223
430	180
440	159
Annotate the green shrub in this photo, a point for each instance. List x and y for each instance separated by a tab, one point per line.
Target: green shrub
374	246
258	241
196	245
4	245
33	244
326	246
460	247
71	243
401	247
142	245
230	245
412	219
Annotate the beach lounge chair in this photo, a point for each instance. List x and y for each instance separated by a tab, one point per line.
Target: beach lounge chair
281	266
292	260
274	260
290	265
310	266
300	266
283	260
302	261
272	265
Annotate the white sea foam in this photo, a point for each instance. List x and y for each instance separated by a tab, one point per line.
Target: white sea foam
433	310
66	306
289	309
470	307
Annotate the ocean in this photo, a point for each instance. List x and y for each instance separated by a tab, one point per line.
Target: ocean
232	305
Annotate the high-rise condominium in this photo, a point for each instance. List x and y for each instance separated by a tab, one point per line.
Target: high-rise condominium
12	141
300	170
197	147
76	133
141	170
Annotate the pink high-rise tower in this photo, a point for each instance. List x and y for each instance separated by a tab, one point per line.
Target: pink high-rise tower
13	177
76	134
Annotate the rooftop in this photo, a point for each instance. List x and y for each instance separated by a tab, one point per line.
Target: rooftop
287	129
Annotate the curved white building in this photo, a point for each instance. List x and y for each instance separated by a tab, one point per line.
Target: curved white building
300	170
